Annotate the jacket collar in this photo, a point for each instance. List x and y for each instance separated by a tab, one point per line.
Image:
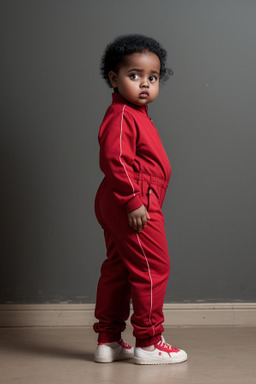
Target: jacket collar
118	99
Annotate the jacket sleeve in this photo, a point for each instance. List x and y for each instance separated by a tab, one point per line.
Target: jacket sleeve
117	139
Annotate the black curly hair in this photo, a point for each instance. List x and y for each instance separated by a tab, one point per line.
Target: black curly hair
127	44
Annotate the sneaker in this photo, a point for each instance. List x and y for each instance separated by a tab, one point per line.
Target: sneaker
107	354
162	354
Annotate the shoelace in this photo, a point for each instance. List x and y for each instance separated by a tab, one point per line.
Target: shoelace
162	343
124	344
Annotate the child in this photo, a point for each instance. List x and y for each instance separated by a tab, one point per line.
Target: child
128	207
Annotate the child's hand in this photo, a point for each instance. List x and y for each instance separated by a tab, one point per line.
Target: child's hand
138	218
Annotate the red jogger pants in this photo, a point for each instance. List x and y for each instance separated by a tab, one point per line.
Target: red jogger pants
137	266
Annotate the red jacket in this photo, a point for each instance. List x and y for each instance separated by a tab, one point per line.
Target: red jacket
129	143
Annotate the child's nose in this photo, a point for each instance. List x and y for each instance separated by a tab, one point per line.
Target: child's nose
144	83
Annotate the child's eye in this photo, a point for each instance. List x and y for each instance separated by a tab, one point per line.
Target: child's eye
134	76
152	79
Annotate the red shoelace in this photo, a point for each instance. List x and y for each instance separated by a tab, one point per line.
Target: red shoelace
163	346
124	344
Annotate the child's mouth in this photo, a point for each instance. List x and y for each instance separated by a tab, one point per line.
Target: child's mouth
144	95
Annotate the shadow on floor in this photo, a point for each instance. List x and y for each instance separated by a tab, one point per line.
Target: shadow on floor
54	345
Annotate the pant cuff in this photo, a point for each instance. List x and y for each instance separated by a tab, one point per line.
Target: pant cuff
141	343
108	337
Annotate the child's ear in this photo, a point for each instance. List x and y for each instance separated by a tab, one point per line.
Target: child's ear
112	78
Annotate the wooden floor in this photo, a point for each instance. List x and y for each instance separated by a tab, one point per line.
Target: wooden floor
65	355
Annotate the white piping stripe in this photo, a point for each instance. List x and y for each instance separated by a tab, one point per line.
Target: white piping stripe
141	247
120	156
151	283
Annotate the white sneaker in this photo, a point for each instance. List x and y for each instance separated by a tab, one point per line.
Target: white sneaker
107	354
162	354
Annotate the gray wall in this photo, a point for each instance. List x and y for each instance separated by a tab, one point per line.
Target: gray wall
52	103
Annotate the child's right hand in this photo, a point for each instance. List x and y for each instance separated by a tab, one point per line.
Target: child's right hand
138	218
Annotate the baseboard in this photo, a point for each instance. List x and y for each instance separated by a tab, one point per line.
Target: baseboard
82	315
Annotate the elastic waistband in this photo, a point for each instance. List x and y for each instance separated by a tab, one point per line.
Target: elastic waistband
151	179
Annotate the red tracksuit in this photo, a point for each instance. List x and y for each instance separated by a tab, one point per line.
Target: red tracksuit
137	171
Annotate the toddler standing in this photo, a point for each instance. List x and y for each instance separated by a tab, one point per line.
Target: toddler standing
128	207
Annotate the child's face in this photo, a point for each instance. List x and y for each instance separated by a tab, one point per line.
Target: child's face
137	79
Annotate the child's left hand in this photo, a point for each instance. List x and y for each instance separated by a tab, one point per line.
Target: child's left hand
138	218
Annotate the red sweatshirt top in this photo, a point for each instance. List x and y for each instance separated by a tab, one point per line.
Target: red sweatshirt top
129	143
